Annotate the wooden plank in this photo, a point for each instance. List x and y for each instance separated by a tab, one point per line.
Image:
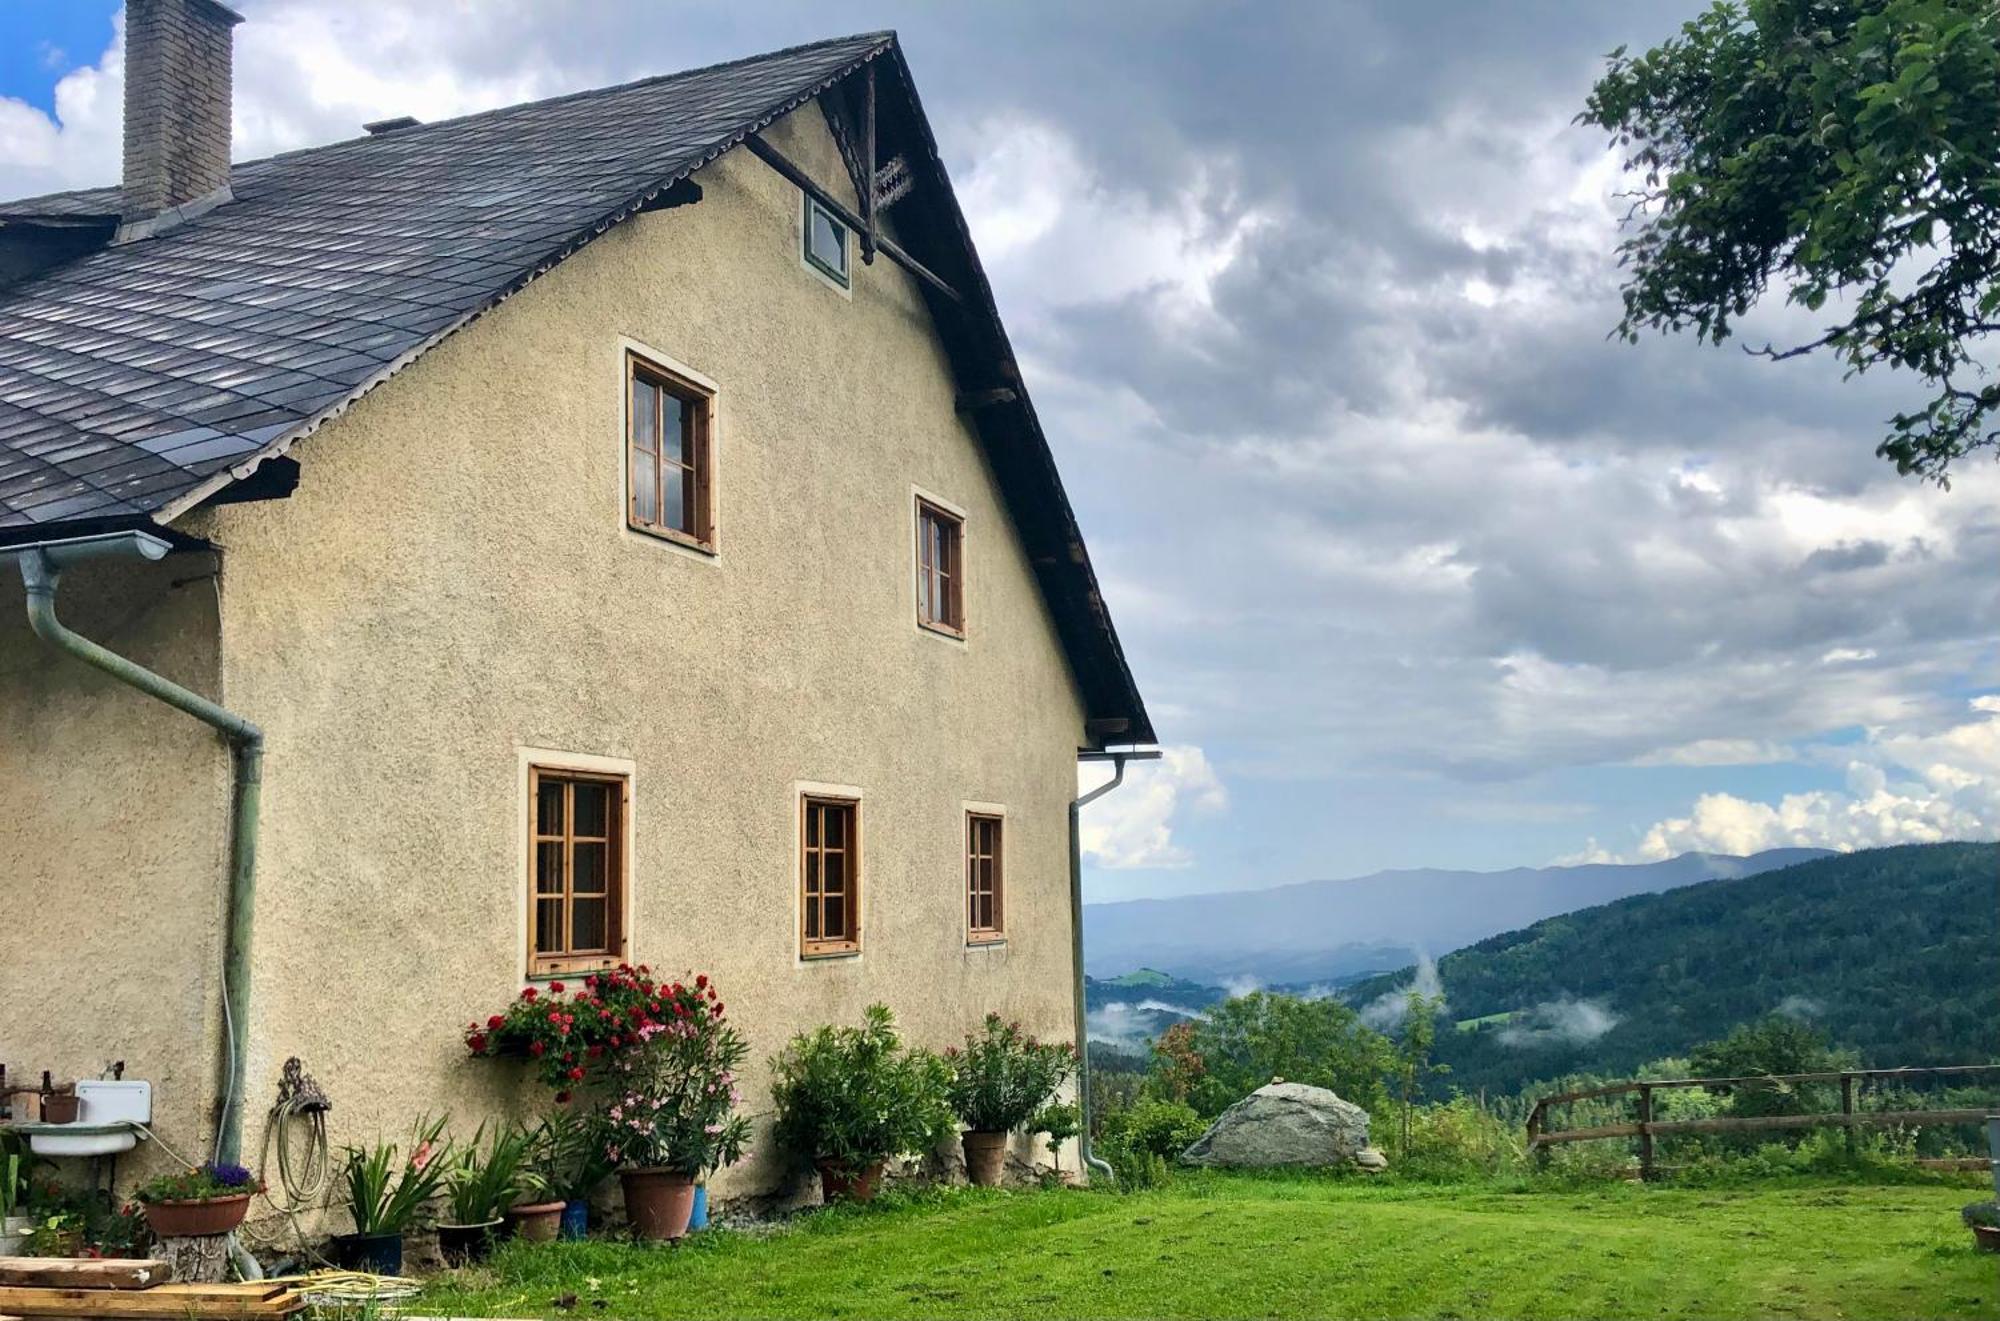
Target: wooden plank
77	1273
1614	1089
222	1302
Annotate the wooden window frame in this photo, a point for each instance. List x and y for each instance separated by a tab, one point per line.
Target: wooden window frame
698	443
842	278
997	932
819	947
951	575
618	869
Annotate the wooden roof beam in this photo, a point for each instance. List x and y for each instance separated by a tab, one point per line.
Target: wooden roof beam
778	161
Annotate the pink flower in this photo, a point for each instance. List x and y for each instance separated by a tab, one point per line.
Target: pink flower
421	1156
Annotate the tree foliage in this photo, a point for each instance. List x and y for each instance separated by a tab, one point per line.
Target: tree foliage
1247	1041
1846	150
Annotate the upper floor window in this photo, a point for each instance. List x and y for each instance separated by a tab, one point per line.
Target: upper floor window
576	900
669	455
829	876
825	243
940	569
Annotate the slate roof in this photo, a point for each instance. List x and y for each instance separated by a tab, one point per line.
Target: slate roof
133	379
143	378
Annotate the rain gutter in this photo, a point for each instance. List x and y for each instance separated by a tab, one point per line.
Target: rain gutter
41	567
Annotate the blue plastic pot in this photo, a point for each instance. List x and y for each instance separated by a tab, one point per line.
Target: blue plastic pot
698	1219
575	1220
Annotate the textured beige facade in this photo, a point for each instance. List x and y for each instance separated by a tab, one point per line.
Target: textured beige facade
452	593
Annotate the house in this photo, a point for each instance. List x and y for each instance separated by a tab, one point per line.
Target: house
608	528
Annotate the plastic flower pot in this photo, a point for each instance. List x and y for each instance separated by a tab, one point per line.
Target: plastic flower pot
985	1157
575	1220
698	1217
197	1218
837	1183
1986	1237
60	1108
377	1254
460	1245
14	1234
658	1202
536	1222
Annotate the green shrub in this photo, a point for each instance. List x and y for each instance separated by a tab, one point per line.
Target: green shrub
1459	1140
1003	1076
1160	1128
852	1097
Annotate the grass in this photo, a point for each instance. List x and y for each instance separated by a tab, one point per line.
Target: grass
1247	1246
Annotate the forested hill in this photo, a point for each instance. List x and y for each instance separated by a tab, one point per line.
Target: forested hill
1893	951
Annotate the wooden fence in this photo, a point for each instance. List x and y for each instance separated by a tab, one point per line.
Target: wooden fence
1540	1138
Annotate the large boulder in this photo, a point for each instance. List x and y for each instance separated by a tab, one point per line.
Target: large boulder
1287	1123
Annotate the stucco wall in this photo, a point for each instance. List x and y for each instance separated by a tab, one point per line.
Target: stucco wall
114	841
452	583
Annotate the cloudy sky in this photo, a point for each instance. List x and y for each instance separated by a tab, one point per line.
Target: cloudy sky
1414	565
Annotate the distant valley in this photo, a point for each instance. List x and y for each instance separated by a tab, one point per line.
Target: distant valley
1334	931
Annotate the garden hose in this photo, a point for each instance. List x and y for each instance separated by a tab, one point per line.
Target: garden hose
297	1129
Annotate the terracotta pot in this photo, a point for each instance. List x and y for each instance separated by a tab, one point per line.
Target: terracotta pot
985	1157
536	1222
196	1219
838	1183
1986	1237
658	1202
60	1108
463	1244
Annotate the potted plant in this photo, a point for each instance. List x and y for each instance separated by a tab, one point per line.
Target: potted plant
998	1081
672	1120
849	1098
57	1233
575	1035
1059	1123
208	1199
570	1143
480	1184
384	1194
537	1216
1983	1219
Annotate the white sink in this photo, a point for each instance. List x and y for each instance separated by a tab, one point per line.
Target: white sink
111	1117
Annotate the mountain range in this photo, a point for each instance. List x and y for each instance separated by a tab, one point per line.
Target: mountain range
1336	930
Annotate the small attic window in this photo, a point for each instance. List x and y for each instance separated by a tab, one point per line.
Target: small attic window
825	243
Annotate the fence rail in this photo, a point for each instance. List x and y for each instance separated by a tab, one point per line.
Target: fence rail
1646	1129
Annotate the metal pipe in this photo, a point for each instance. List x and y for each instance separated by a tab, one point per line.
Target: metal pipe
1118	759
41	570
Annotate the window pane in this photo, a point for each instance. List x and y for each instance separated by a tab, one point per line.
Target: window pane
548	868
672	429
836	926
589	929
548	926
827	241
645	493
549	808
591	869
813	814
593	810
673	500
833	873
836	828
645	416
812	914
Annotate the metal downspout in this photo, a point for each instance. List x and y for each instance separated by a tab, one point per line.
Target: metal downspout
1090	1160
41	569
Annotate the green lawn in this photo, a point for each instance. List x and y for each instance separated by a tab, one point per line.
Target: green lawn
1222	1246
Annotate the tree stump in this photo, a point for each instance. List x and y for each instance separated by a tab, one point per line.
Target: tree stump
196	1259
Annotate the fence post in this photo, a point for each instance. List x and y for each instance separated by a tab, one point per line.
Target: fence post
1646	1133
1540	1154
1993	1148
1847	1107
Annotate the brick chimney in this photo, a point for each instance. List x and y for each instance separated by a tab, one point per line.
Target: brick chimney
177	58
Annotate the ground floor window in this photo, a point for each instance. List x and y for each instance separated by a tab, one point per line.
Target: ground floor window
577	868
829	875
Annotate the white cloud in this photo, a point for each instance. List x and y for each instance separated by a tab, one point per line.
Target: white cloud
1720	752
1902	788
1562	1021
1133	826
